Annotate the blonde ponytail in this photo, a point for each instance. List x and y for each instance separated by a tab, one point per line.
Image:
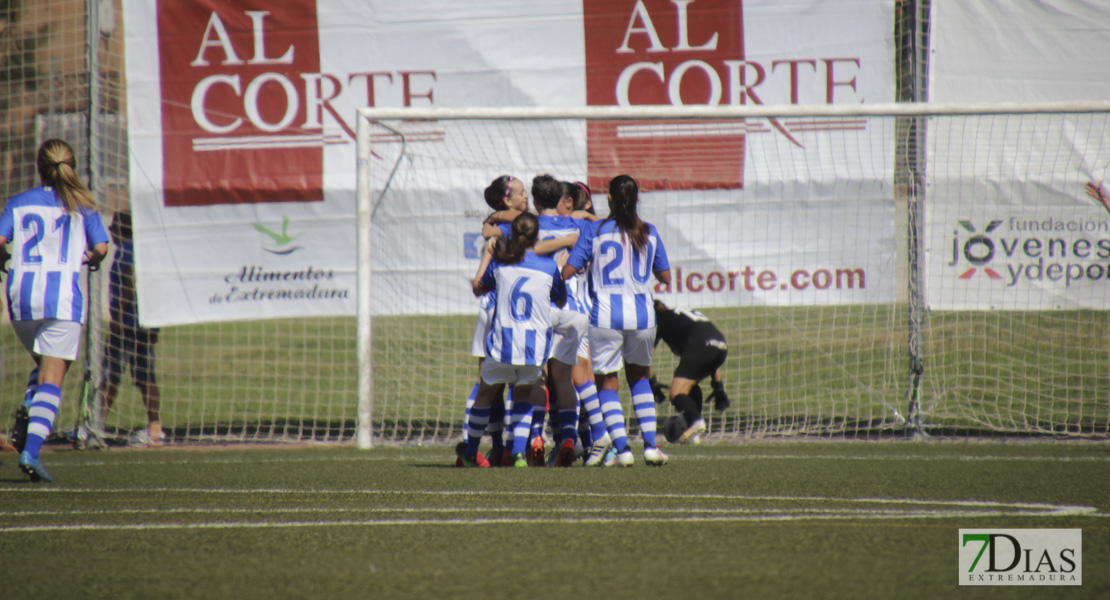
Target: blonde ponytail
57	168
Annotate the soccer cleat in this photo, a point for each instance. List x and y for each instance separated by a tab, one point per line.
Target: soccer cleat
619	459
496	456
654	457
19	430
143	439
693	432
596	457
565	457
519	461
468	462
535	452
33	468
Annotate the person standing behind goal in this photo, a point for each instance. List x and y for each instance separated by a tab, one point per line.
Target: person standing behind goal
129	345
622	252
54	230
519	342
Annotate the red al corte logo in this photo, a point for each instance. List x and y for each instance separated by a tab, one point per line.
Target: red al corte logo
677	52
663	52
237	126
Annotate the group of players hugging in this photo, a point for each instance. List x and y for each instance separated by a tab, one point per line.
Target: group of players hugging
565	301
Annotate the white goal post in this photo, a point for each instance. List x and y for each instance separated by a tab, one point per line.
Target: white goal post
878	269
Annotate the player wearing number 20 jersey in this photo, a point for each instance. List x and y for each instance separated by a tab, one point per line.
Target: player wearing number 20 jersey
620	276
624	253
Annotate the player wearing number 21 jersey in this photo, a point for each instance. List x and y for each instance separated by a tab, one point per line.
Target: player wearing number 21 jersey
53	229
49	244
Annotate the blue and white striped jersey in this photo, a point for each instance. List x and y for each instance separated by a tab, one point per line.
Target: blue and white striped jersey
620	282
48	245
554	227
521	332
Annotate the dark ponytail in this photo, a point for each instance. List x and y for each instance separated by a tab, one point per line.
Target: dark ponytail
624	195
498	191
526	228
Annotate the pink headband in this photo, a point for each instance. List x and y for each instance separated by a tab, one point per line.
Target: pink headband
508	188
589	194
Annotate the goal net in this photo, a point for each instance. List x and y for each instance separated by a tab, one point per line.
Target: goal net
877	270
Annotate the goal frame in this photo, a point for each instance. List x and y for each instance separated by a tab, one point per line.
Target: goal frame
366	202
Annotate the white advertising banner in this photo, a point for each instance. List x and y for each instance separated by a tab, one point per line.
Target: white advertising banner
1009	223
241	117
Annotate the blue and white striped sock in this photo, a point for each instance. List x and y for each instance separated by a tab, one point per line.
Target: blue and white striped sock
521	425
507	418
614	418
643	402
475	428
590	400
469	404
44	410
568	424
539	414
32	387
496	427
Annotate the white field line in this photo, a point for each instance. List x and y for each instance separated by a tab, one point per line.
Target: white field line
623	519
543	494
884	509
449	456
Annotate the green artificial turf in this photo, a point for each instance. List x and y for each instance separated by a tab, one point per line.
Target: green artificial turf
756	520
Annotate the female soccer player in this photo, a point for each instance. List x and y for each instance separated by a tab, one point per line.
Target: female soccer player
505	193
596	438
54	229
623	252
525	284
701	351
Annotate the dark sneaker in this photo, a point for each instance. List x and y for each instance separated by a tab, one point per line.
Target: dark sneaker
33	468
19	431
496	456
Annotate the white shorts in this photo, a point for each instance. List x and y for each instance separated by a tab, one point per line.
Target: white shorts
570	328
50	337
584	347
481	332
494	372
609	346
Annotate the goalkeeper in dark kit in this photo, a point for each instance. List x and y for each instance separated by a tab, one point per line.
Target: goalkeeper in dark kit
701	351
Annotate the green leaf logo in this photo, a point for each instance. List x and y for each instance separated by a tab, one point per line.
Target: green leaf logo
281	239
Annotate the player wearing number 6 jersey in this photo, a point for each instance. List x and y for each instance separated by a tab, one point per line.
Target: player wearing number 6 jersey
623	252
54	229
519	342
